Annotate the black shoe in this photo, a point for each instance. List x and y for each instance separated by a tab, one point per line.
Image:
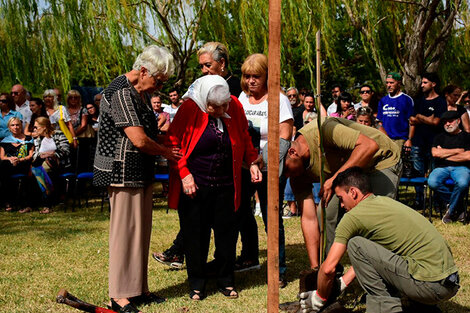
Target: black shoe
282	280
128	308
170	257
147	298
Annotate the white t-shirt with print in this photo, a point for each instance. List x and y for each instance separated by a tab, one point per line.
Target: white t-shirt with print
257	114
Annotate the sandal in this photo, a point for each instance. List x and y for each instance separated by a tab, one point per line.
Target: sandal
196	295
26	210
45	211
229	292
128	308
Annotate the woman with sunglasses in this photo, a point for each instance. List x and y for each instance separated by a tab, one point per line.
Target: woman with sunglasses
7	105
452	94
16	152
368	98
78	114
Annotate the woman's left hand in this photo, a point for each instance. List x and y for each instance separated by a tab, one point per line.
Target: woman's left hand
256	175
189	186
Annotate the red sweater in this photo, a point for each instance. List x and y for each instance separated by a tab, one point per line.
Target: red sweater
186	129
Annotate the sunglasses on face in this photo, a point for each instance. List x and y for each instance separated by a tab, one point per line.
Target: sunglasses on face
291	96
74	97
3	100
14	93
364	91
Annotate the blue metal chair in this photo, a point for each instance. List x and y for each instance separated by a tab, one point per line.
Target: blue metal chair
417	181
450	183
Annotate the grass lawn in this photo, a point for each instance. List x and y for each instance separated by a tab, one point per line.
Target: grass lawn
40	254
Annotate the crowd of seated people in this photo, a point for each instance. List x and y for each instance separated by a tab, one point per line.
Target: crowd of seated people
40	140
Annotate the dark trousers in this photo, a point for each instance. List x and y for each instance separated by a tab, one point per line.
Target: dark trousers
246	221
212	208
8	191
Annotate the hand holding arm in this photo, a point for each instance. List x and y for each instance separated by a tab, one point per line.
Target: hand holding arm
256	175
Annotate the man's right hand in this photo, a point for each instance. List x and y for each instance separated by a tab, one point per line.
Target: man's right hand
310	301
172	154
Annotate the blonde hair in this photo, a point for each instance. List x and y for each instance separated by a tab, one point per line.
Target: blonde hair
216	49
46	123
254	64
157	60
11	120
73	93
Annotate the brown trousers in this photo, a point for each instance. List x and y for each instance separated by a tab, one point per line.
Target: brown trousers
129	240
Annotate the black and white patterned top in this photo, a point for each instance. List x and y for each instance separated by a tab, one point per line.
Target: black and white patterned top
118	162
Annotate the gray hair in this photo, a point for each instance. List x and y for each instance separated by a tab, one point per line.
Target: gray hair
157	60
216	49
51	92
218	95
292	88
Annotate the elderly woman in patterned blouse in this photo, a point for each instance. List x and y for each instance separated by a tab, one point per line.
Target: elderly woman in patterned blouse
124	162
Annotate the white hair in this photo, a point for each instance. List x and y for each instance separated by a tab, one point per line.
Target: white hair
51	92
157	60
218	95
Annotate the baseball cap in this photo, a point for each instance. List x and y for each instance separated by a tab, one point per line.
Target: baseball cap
284	145
394	75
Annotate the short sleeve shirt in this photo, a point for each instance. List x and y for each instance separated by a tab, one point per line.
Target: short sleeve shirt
424	134
339	140
257	116
55	117
404	232
118	162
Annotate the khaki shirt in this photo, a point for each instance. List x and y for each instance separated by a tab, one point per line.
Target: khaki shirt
339	140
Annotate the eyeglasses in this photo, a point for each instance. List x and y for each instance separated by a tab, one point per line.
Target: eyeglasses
365	91
3	100
74	97
14	93
291	96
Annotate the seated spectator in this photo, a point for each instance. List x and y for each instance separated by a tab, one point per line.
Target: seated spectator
78	114
466	101
52	152
365	116
97	99
7	105
37	107
452	94
345	109
59	116
448	151
16	153
93	116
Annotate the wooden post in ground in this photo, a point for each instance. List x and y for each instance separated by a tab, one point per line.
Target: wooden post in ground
320	160
274	87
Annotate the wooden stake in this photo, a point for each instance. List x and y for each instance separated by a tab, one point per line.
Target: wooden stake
322	176
274	87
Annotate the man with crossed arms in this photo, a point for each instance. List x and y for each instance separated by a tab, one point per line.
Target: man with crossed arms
394	252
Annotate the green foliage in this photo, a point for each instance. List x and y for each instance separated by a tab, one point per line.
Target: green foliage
66	42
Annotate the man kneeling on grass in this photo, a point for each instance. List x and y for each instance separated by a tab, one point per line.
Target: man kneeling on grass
394	251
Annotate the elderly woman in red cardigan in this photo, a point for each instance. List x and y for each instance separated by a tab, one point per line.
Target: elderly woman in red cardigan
211	130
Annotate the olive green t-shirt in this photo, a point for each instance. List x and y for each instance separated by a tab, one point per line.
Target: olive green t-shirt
403	231
339	140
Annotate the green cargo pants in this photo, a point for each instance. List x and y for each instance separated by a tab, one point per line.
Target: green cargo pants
384	277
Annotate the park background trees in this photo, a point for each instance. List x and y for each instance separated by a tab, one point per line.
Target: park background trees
69	42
